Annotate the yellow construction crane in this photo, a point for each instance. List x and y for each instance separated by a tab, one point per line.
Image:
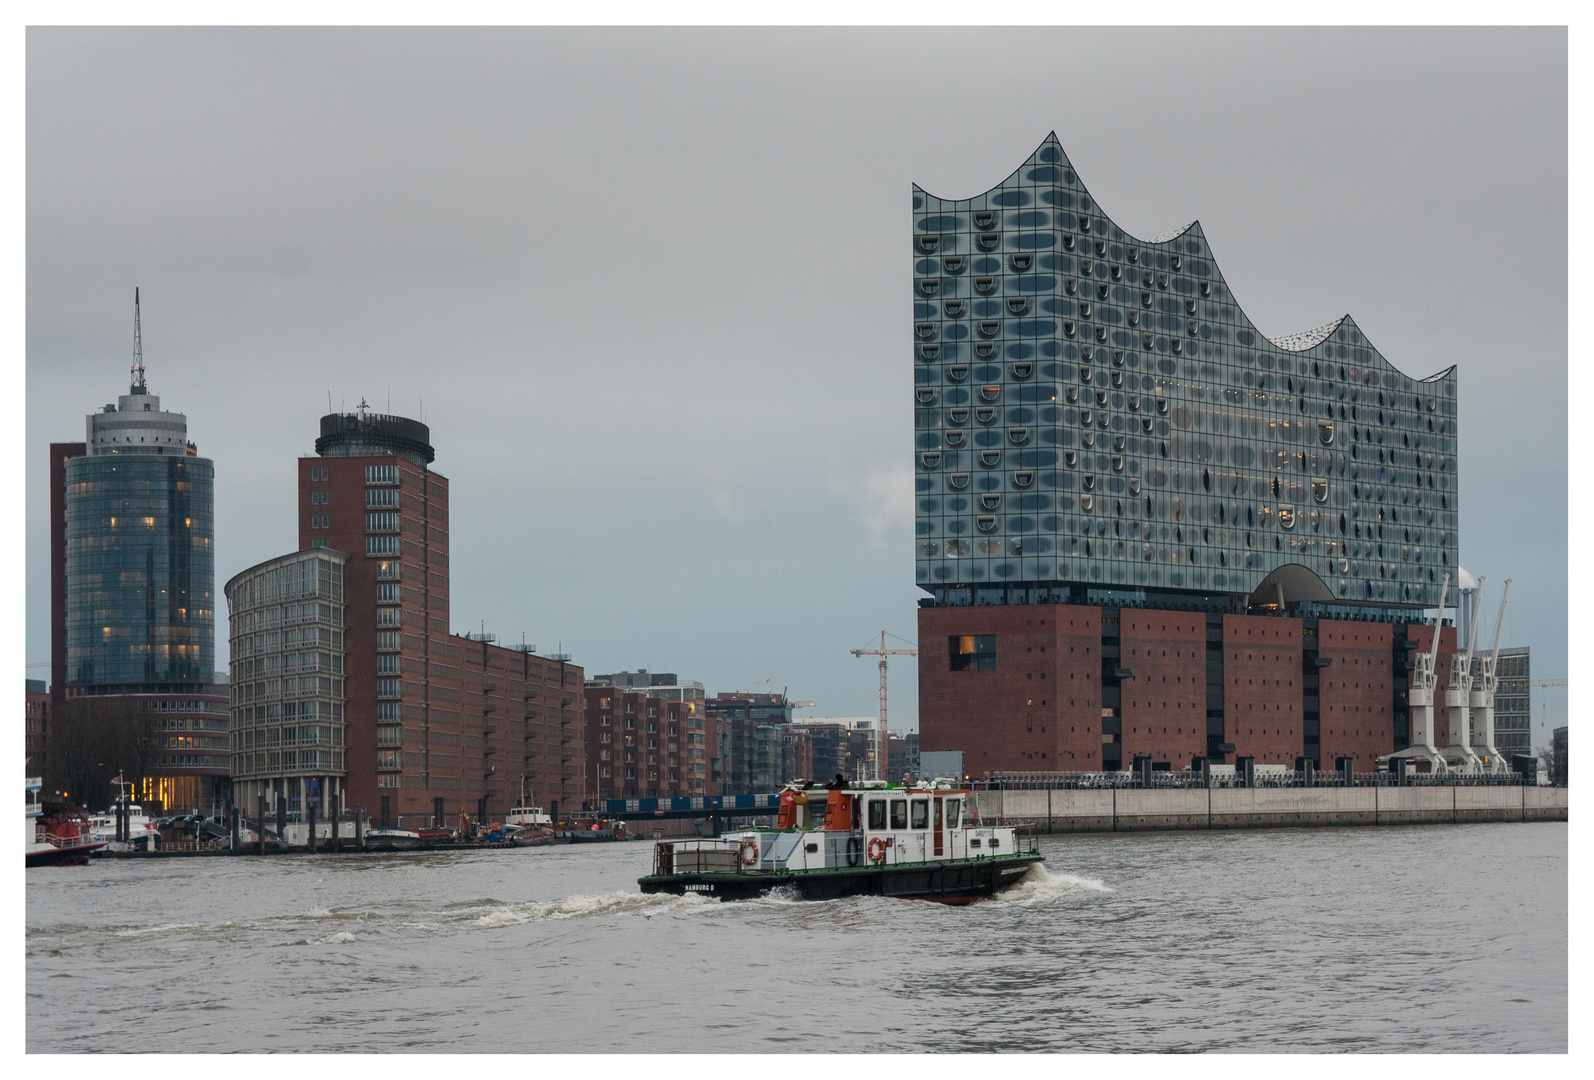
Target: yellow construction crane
881	746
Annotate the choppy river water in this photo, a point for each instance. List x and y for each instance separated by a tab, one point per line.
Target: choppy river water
1441	938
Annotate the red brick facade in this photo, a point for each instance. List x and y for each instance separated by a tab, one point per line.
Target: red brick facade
1028	710
1038	710
1165	699
471	720
60	453
37	729
642	747
1356	691
1262	687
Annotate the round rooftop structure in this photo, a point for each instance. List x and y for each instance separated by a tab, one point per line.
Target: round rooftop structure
362	434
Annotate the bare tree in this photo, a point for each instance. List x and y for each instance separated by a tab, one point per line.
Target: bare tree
1554	766
92	739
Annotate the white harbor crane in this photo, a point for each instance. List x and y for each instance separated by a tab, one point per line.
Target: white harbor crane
1420	696
882	746
1458	695
1483	685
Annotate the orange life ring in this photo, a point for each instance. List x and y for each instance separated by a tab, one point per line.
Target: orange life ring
877	849
749	852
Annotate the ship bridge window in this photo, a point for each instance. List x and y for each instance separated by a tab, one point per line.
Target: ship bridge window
953	812
921	814
877	814
899	813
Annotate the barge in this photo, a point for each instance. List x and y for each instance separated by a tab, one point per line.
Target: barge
922	842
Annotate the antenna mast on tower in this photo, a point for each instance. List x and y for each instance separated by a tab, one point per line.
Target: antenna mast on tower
138	348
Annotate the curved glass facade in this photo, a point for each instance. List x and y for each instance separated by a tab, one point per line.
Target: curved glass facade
286	661
1095	409
140	572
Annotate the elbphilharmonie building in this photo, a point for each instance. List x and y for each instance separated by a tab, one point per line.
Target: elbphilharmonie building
1095	410
1098	425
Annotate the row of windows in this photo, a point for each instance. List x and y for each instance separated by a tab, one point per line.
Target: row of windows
292	735
277	711
266	763
287	663
244	693
268	641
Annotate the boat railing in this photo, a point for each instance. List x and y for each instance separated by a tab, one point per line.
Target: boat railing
698	856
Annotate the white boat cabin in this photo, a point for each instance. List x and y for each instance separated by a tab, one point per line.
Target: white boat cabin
872	824
526	817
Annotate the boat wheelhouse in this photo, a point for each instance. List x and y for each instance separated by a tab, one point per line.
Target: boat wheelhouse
920	841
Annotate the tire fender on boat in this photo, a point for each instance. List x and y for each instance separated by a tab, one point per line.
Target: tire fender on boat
854	850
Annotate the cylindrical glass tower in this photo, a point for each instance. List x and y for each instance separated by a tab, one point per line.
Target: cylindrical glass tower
140	560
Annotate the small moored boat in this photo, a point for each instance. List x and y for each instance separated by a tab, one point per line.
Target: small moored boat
142	833
864	839
392	839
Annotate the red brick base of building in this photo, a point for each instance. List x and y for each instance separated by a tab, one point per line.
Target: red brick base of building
1074	688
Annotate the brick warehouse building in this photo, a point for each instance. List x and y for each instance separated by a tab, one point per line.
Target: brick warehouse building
644	746
1143	528
427	722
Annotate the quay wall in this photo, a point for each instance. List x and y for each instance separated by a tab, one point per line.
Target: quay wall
1131	809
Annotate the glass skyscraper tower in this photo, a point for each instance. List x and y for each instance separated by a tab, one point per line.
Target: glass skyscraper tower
133	585
140	565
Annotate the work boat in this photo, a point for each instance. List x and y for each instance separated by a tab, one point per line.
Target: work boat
921	841
57	842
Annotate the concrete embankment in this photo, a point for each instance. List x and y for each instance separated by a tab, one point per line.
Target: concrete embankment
1123	809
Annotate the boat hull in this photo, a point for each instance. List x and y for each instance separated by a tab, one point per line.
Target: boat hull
67	855
948	882
397	843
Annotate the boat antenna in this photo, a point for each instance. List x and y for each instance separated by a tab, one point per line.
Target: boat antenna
138	348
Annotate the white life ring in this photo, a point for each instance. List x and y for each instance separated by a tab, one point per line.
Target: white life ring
749	852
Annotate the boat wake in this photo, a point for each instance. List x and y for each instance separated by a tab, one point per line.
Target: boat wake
1043	886
647	905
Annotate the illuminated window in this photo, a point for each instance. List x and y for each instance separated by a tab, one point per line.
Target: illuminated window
971	652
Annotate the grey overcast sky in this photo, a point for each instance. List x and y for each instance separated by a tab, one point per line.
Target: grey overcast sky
652	286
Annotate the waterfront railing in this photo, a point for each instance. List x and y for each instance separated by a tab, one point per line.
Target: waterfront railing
1191	778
